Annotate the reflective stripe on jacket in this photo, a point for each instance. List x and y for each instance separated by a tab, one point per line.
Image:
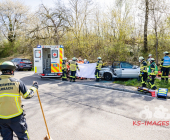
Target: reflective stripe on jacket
153	69
99	65
143	66
166	61
11	91
64	67
73	66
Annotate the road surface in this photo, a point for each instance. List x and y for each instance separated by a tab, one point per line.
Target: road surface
75	111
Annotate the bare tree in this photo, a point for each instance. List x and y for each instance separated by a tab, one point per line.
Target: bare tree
53	22
12	18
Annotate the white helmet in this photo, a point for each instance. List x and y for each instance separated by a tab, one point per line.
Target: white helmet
99	58
166	52
152	59
85	60
141	58
74	58
149	55
64	58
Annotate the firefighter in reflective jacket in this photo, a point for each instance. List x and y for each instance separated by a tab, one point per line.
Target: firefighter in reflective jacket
98	68
143	71
11	113
64	69
165	65
73	67
153	70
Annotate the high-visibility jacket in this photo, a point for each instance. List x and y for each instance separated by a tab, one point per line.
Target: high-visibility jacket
143	66
11	91
165	62
64	66
153	69
99	65
73	66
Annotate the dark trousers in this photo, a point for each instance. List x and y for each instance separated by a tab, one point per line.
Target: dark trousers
152	81
144	79
73	76
64	77
165	73
17	125
97	74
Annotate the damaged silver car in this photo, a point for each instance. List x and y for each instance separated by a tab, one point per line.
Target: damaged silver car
120	70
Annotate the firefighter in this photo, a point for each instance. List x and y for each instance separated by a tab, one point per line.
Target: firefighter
153	70
85	61
73	67
11	113
149	59
165	65
143	71
98	68
64	69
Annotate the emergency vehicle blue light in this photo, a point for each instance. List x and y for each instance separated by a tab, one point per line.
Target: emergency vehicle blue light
61	46
38	46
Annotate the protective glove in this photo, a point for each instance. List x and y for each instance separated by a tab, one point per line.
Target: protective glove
35	84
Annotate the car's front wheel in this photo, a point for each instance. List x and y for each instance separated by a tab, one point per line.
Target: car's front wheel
107	76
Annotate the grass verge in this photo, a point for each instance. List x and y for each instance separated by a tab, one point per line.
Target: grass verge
136	83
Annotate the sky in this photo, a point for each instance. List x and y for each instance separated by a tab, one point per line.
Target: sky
34	3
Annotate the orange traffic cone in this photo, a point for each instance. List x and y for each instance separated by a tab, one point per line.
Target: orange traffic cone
153	93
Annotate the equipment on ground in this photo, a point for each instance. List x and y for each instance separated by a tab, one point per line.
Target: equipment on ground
162	92
48	60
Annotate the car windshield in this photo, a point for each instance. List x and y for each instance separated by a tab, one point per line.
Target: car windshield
126	65
116	65
26	60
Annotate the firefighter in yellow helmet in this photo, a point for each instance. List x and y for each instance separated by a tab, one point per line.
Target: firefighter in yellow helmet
143	71
73	67
64	69
98	68
11	113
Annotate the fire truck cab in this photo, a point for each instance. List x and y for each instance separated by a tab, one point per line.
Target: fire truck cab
48	60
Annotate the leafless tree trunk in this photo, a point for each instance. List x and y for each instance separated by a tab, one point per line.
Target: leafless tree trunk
146	26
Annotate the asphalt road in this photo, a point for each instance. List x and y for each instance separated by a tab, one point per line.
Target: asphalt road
79	112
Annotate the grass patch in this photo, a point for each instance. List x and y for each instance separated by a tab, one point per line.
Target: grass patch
136	83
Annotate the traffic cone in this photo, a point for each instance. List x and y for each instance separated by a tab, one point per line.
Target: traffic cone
153	93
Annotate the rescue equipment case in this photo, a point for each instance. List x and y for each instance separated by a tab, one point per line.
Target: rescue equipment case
162	92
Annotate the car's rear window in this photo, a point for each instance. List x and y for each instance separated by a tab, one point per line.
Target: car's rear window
26	60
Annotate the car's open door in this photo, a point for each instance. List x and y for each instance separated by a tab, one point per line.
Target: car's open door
38	61
117	69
